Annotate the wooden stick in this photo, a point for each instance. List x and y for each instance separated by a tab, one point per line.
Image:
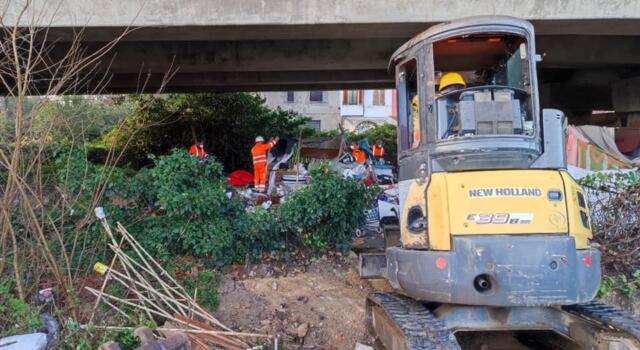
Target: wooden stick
200	312
146	285
166	299
126	271
186	330
105	224
142	253
142	307
185	295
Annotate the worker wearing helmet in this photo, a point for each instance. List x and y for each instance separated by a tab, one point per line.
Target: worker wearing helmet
197	149
259	154
450	82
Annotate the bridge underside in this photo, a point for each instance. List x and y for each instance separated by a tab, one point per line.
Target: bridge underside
588	64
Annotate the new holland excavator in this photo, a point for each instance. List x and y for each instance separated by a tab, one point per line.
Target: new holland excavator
495	249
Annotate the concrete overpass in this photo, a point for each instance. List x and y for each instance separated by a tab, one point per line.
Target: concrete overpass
592	48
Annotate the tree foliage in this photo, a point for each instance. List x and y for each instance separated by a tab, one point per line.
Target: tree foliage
325	213
228	124
80	118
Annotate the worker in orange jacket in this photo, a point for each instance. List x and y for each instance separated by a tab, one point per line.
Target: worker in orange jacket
197	149
357	153
378	150
259	154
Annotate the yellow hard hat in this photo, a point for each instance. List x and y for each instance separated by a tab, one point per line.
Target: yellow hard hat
451	78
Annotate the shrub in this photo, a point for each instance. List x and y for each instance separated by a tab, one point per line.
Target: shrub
195	216
614	201
325	213
192	274
18	317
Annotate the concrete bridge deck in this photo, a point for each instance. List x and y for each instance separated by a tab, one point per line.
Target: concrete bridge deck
233	45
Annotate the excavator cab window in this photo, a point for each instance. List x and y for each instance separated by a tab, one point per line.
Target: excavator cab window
409	118
495	97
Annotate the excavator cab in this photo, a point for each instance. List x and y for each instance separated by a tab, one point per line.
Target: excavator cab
494	232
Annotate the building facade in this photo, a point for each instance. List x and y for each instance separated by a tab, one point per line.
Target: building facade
361	109
353	109
323	107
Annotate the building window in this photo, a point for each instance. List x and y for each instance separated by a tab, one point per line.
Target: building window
352	97
315	124
378	97
290	97
315	96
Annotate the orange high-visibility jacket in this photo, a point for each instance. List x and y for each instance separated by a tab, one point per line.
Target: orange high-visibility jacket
378	151
259	151
197	151
359	155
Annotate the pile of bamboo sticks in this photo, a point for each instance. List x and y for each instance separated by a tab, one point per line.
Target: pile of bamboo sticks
149	288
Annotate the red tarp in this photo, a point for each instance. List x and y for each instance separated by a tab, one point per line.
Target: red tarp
240	178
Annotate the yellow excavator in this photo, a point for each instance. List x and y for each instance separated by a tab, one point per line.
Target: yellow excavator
495	249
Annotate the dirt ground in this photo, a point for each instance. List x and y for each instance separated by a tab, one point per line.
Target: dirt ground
319	305
308	303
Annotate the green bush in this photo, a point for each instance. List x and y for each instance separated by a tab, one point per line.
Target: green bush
620	283
194	215
325	213
17	317
178	207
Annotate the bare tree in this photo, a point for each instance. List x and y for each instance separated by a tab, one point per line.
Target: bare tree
33	231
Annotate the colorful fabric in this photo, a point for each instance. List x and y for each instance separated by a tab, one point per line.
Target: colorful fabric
583	154
240	178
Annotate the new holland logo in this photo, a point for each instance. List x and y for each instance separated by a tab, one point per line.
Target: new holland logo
505	192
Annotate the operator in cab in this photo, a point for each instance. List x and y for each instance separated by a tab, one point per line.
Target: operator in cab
449	82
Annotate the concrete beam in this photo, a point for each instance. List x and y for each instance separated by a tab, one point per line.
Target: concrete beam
341	54
247	56
122	13
575	51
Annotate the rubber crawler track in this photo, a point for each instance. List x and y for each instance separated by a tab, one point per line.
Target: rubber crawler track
608	315
421	329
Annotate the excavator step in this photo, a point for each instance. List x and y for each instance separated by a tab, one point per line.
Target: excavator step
401	323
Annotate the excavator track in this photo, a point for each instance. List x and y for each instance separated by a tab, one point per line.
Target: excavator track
608	316
401	323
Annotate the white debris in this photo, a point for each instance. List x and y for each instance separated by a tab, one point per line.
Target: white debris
33	341
362	347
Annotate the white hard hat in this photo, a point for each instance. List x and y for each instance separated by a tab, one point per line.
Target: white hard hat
259	139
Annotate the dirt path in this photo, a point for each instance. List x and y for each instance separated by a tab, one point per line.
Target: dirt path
320	307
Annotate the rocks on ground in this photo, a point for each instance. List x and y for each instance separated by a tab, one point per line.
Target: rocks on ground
309	303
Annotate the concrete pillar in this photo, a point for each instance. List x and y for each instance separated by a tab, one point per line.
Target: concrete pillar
625	94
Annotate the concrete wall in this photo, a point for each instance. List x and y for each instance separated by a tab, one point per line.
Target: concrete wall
110	13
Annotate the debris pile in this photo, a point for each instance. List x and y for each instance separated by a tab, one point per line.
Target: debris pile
148	288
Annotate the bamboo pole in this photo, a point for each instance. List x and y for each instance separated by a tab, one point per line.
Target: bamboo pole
186	330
